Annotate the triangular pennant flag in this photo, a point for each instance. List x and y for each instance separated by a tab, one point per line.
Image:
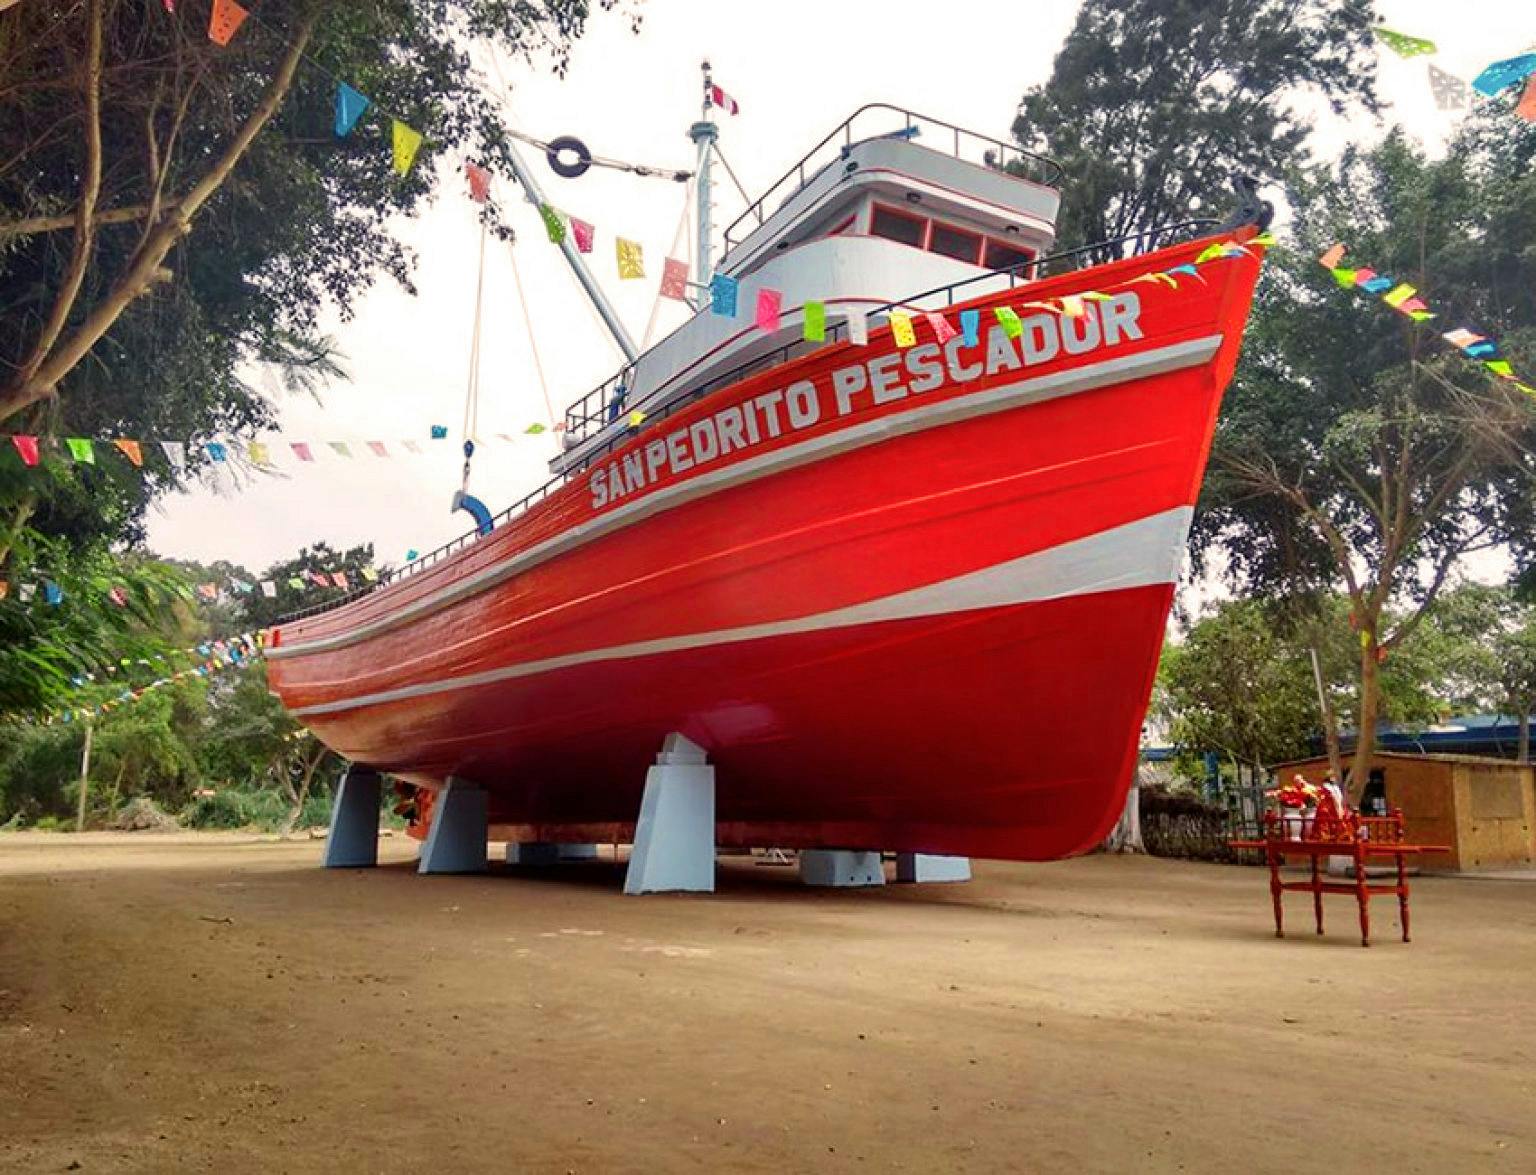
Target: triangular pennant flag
815	324
553	225
674	279
175	453
370	575
317	579
349	108
412	555
1449	91
1500	367
1210	253
1402	44
439	432
1420	315
722	295
295	582
479	182
1072	306
118	596
1362	276
130	450
1009	318
631	259
1399	295
225	21
636	418
858	326
407	142
215	451
970	327
1345	278
1330	260
942	331
378	448
1461	338
412	447
1376	285
269	589
26	591
1527	107
52	592
533	429
259	453
209	591
26	448
339	578
340	448
583	233
769	303
301	450
81	449
901	329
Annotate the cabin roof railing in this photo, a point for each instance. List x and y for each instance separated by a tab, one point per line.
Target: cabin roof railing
961	143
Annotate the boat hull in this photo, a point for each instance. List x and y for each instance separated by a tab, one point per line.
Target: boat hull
922	613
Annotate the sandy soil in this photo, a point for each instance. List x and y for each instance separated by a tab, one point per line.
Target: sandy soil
222	1004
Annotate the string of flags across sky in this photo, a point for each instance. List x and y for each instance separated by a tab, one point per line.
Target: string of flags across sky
1450	92
1405	300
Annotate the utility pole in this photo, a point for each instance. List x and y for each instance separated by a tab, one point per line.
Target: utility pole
85	775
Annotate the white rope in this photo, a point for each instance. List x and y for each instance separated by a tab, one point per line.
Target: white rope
677	239
533	342
472	391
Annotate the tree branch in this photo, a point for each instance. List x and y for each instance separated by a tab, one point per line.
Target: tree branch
90	188
144	269
32	225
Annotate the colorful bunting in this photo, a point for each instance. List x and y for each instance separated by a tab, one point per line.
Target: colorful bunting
858	326
970	327
901	329
378	449
722	295
339	578
301	450
479	182
533	429
295	582
674	279
1449	91
406	143
130	450
340	448
175	453
1503	74
1402	44
815	314
584	234
269	589
216	451
258	453
630	257
439	432
769	303
554	226
1008	317
1072	304
81	449
942	331
52	593
225	21
1527	107
26	447
349	108
636	418
370	575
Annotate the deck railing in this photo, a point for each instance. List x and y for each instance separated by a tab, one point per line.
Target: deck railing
1131	244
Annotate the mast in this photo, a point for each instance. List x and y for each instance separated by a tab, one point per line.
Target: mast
610	316
704	133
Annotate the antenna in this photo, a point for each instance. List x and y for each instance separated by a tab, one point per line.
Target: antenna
704	133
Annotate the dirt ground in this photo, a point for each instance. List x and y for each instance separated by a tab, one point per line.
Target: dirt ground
212	1003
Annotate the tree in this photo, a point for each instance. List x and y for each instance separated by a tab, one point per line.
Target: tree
1356	451
1494	630
159	188
1153	106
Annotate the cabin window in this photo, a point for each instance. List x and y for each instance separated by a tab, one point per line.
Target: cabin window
898	226
1000	255
954	242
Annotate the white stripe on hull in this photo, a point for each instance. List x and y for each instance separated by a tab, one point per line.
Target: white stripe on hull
1142	365
1137	554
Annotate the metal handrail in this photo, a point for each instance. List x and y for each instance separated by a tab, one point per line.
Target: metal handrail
998	154
1028	271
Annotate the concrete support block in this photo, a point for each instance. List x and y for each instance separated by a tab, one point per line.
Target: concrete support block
353	841
457	839
545	852
922	867
841	867
674	846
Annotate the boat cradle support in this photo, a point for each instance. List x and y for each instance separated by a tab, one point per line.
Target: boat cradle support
547	852
924	867
353	841
456	841
674	848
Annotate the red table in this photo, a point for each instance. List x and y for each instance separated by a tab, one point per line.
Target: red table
1369	838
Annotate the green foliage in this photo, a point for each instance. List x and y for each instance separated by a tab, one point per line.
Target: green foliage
1154	105
257	611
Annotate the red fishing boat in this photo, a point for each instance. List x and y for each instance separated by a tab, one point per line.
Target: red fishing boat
907	591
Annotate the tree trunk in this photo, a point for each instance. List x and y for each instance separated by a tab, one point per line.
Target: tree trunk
85	777
1370	709
1126	835
1330	720
310	767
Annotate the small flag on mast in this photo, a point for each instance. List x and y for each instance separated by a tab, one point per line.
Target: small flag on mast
723	100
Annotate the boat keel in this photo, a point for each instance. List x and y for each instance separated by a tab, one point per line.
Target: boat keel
674	849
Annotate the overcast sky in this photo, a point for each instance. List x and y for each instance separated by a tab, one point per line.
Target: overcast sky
798	69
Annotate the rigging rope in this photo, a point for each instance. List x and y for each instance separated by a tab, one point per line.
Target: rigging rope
472	391
670	173
677	237
533	342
